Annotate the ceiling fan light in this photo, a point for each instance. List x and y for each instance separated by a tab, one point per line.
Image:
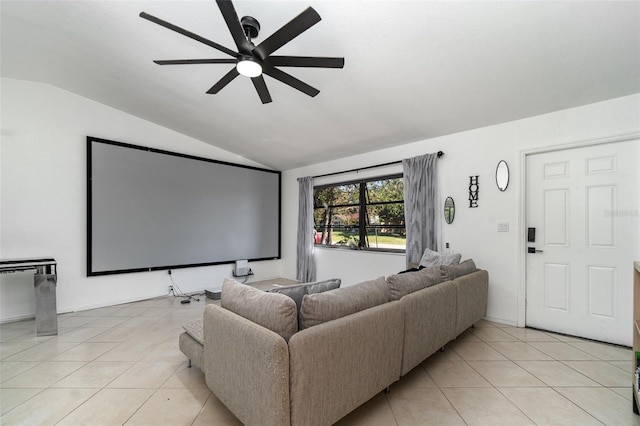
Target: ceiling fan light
249	66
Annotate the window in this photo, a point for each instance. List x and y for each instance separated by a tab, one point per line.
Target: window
366	214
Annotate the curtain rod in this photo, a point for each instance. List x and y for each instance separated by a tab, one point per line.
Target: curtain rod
440	154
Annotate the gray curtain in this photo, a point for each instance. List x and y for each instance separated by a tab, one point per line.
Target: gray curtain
305	263
421	206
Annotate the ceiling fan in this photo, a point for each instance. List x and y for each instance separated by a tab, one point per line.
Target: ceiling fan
251	60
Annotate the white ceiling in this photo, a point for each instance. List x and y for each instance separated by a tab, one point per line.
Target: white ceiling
413	69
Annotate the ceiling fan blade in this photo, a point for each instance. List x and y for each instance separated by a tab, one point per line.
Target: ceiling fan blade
186	33
233	23
261	88
194	61
288	32
291	81
226	79
304	61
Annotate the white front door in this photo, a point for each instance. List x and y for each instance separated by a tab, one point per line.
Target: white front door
584	205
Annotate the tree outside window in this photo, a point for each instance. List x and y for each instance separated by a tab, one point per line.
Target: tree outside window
365	214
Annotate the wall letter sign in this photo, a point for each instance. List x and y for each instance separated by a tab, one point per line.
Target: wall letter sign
473	191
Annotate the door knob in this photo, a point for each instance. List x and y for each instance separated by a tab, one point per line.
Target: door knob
533	250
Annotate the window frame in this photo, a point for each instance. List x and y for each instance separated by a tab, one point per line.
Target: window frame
362	209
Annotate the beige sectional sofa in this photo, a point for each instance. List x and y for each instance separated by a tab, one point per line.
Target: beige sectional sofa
350	344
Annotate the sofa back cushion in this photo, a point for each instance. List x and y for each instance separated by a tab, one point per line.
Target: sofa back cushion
319	308
297	292
274	311
451	272
403	284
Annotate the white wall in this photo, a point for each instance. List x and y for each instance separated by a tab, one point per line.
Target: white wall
474	231
43	197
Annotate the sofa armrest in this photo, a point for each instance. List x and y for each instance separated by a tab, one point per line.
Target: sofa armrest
473	293
247	367
338	365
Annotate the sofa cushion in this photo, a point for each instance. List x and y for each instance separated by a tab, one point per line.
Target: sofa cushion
274	311
319	308
403	284
297	292
451	272
436	258
194	329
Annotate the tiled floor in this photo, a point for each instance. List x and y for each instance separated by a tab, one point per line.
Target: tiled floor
121	365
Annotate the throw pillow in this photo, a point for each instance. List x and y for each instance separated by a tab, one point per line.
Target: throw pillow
322	307
436	258
403	284
297	292
274	311
451	272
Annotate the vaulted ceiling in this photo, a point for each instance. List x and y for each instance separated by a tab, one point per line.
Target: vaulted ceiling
413	69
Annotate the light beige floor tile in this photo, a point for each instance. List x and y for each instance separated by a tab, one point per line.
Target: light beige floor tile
626	366
145	375
476	351
43	375
13	347
603	404
128	311
167	351
42	352
625	392
529	335
375	412
409	407
604	351
447	355
114	334
98	312
505	374
128	351
47	407
485	407
466	336
11	398
8	334
80	335
416	378
106	322
564	338
9	369
186	377
561	351
139	322
519	351
455	374
74	321
545	406
498	324
484	323
94	375
171	407
555	373
108	407
493	334
215	413
87	351
601	372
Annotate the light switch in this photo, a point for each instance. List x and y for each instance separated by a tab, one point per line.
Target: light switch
503	226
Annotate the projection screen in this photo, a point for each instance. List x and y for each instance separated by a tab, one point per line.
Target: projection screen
149	209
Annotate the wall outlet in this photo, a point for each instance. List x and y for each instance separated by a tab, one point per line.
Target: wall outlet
503	226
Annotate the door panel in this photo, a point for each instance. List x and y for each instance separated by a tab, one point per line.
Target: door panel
584	203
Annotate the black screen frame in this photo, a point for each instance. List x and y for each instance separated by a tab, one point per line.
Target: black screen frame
91	272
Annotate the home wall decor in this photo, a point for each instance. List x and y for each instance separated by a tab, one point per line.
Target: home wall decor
502	175
474	187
